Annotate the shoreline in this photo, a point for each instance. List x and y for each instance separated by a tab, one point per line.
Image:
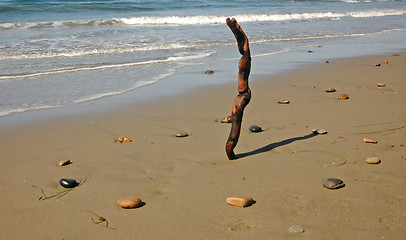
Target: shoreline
184	181
225	74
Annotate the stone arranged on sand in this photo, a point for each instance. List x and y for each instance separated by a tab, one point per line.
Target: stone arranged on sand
181	134
370	140
343	97
319	131
255	128
373	160
124	140
381	84
330	90
226	120
64	162
210	72
296	229
333	183
239	201
68	183
284	102
130	202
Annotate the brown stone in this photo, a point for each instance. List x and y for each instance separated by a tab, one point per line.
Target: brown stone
124	140
373	160
343	97
239	201
130	202
370	140
64	162
381	84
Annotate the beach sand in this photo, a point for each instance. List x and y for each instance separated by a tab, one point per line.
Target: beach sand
184	182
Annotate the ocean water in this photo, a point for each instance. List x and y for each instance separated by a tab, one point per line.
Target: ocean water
56	53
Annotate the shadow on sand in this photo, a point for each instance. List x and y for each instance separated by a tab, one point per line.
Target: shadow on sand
274	145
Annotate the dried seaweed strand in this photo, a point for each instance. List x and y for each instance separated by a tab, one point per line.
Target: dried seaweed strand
101	220
387	130
372	124
328	165
58	194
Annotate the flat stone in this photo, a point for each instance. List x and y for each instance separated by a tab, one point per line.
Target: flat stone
181	134
68	183
333	183
296	229
64	162
319	131
255	129
240	201
381	84
330	90
123	140
370	140
210	72
284	102
373	160
226	120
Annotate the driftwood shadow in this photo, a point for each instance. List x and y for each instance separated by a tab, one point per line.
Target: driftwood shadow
271	146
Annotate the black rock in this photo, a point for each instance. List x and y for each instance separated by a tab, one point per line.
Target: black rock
68	183
255	128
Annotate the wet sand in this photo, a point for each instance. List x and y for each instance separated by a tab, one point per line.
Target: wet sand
184	182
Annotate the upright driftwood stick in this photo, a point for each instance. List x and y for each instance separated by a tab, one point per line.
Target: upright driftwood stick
244	92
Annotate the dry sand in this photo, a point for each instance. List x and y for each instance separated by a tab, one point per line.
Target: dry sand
184	182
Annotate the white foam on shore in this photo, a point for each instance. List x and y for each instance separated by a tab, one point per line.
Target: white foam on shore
111	66
203	19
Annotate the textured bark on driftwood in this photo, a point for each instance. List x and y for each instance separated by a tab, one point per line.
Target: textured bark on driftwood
244	93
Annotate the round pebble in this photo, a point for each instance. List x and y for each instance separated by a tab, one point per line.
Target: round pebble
373	160
68	183
381	84
333	183
130	202
296	229
255	129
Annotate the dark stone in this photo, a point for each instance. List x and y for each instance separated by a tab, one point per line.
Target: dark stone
210	72
68	183
255	128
